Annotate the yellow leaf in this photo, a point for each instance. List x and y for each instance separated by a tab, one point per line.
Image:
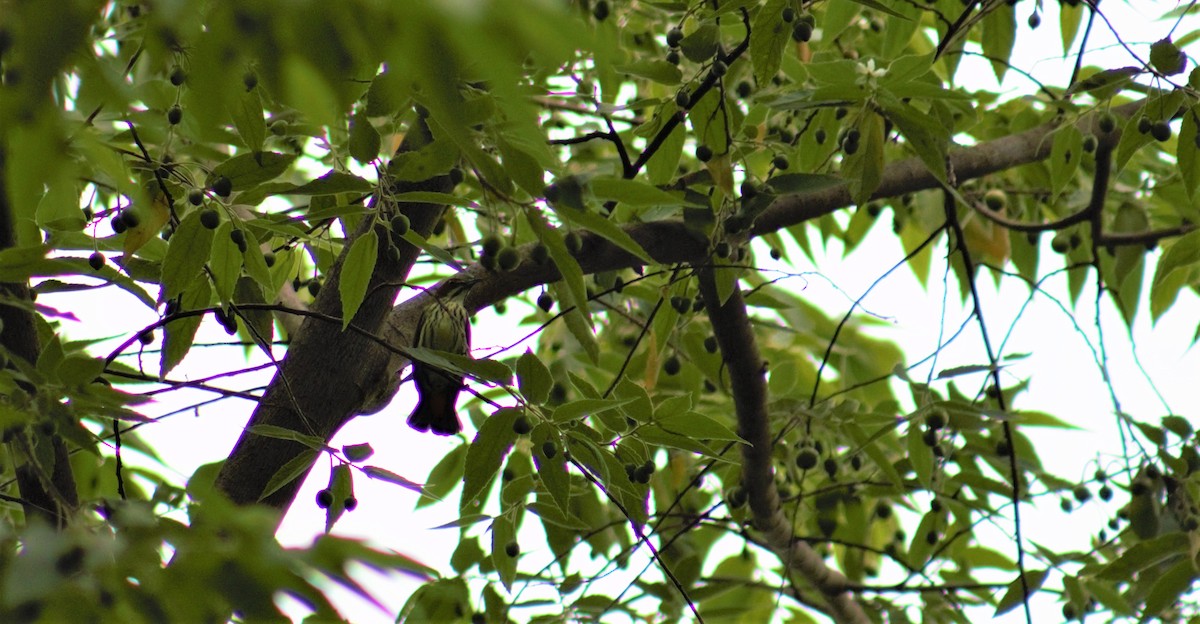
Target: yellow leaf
150	221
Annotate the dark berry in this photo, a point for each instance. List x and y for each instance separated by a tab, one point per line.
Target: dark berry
174	115
210	218
196	197
400	225
807	458
704	153
545	301
674	36
324	499
521	426
222	186
96	261
178	76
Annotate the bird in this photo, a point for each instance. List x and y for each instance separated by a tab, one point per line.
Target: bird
444	325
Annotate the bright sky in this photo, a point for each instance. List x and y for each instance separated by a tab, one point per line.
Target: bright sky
1064	380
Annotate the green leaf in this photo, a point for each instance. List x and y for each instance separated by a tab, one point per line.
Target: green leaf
580	408
658	70
1065	155
283	433
999	32
1015	596
1175	268
357	452
248	119
59	208
1168	586
865	168
292	470
356	274
187	251
533	378
1105	83
331	183
1167	58
364	140
179	333
225	261
575	292
491	445
768	36
246	171
701	45
551	470
1069	18
423	164
492	371
1144	555
662	166
633	192
525	170
696	425
382	474
504	534
1186	151
444	477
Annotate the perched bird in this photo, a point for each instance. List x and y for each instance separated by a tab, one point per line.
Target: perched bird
445	326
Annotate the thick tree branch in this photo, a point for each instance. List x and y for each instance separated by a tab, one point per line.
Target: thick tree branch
329	374
43	468
748	382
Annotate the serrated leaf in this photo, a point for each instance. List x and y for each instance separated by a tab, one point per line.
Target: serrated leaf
248	119
356	274
551	470
224	261
768	36
187	251
487	451
178	334
533	378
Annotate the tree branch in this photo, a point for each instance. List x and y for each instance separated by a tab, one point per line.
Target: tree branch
747	380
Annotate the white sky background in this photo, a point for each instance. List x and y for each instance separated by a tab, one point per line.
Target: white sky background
1063	379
